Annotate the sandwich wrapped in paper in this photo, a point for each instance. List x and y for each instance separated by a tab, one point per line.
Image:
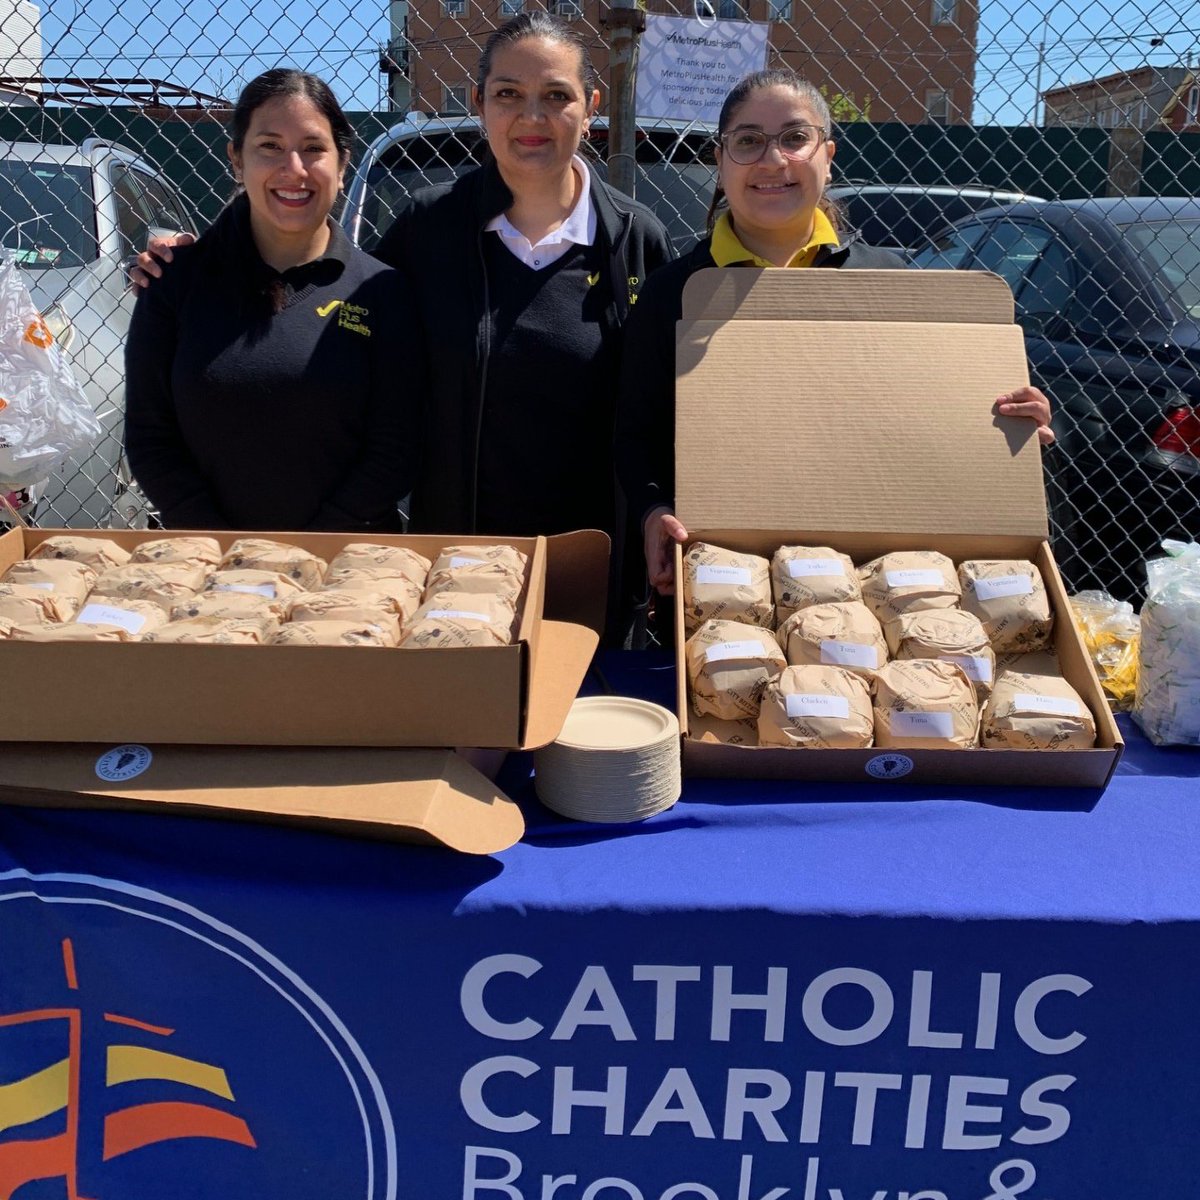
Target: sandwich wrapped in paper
1009	598
390	561
950	634
723	585
802	576
200	551
817	708
164	584
907	581
263	554
97	553
69	581
728	666
923	703
217	631
834	635
1037	712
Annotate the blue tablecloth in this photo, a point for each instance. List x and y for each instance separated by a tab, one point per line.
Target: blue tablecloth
815	992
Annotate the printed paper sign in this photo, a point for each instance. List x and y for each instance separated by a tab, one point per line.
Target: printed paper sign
744	649
849	654
1005	585
809	705
976	667
1051	706
923	724
799	568
736	575
687	65
917	577
102	614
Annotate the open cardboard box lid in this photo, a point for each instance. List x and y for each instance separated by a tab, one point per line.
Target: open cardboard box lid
876	415
424	796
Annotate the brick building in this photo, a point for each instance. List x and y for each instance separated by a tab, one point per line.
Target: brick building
1162	98
911	60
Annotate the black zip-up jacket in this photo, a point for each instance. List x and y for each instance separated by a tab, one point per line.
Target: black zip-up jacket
645	445
437	241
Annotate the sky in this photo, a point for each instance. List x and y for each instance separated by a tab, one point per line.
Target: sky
217	45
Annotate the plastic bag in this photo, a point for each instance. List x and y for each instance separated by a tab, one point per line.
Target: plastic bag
1168	690
1111	632
44	415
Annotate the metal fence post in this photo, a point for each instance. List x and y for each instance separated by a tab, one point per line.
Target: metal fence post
624	21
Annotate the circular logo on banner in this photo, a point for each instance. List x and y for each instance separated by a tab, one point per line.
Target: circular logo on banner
123	762
889	766
216	1059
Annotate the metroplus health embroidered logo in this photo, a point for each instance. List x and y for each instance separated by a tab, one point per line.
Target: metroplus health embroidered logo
147	1049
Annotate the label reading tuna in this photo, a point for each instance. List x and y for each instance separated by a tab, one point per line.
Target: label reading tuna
710	574
916	577
849	654
1050	706
799	568
1005	585
923	724
805	704
102	614
727	650
975	667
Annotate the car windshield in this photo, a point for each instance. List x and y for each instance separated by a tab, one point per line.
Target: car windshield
1174	249
47	214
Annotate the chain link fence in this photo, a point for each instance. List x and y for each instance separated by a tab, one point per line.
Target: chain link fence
113	127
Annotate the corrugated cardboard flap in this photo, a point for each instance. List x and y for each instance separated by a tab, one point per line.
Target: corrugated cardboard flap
428	796
875	414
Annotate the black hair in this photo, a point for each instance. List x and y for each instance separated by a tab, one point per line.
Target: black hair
282	82
538	23
740	92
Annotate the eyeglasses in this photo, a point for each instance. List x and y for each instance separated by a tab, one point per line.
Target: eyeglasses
798	142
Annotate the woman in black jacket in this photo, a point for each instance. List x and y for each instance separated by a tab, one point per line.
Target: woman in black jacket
525	270
260	382
769	209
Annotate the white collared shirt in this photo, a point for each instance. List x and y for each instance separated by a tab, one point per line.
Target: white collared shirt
579	229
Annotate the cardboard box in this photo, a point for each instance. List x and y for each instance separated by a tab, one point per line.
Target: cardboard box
512	697
854	409
432	797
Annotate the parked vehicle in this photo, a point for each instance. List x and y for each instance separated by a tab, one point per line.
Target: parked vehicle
75	216
1108	294
674	171
904	217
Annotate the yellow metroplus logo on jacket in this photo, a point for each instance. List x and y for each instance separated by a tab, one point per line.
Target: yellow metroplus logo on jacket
349	316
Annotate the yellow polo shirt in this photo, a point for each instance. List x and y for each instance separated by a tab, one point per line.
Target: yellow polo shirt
728	251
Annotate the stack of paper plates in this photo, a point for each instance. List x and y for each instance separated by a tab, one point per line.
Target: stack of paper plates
617	759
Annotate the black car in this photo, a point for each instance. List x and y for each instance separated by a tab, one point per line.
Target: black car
1108	294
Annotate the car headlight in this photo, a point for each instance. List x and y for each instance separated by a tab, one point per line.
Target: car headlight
59	325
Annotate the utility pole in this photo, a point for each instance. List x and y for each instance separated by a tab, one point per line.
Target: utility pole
624	21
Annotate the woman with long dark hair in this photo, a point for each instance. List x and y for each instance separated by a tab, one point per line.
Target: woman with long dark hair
262	389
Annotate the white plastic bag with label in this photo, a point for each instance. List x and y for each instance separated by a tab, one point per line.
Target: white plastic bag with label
44	415
1168	687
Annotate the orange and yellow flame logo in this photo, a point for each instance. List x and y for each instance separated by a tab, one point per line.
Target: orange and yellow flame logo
55	1088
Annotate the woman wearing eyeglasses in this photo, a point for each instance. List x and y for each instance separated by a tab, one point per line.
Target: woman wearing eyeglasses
769	209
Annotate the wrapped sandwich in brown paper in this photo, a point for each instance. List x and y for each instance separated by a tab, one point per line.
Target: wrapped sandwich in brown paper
69	581
802	576
162	584
722	585
452	619
25	604
253	582
390	561
202	551
908	581
329	633
949	634
817	708
373	609
231	606
1037	712
485	578
97	553
1009	598
135	617
406	594
453	558
216	631
263	554
728	666
923	703
836	635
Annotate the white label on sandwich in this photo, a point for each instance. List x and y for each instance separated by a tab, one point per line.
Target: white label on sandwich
747	648
849	654
800	568
456	614
915	577
250	589
43	585
464	560
710	574
1005	585
805	704
923	724
974	666
102	614
1050	706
